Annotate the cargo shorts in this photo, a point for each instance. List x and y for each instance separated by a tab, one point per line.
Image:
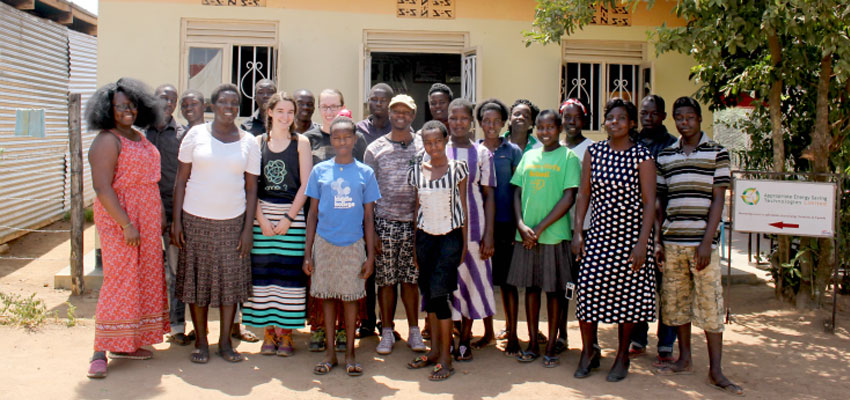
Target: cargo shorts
688	295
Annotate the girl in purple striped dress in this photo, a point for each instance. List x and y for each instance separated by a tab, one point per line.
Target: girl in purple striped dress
474	297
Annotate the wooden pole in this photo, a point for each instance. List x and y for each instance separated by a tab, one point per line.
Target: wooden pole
75	146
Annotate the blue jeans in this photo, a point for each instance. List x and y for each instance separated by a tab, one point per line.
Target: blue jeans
666	334
176	308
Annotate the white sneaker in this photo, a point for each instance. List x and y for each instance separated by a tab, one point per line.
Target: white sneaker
387	341
415	341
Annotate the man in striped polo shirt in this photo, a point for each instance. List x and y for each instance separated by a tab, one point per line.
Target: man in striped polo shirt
693	175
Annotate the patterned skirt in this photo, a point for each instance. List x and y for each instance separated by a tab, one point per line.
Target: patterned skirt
336	270
279	284
210	271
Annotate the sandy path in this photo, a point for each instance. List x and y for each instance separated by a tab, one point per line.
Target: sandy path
772	350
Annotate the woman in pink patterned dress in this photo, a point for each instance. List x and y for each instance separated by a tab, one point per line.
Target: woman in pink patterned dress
132	308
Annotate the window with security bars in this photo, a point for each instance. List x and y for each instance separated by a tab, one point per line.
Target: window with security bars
594	83
238	52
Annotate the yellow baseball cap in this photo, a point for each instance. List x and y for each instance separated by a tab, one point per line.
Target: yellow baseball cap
403	99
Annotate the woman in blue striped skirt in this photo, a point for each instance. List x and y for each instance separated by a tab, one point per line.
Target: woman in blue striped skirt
279	297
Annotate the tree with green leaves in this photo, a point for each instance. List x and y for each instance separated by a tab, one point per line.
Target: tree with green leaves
792	55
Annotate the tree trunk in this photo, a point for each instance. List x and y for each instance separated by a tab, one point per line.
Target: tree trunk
821	138
775	107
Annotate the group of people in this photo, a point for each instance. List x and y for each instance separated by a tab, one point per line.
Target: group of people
284	221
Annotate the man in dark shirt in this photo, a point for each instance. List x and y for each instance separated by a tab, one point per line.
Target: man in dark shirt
305	104
654	135
377	124
166	138
263	91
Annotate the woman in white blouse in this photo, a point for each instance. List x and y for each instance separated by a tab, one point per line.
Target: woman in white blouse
216	189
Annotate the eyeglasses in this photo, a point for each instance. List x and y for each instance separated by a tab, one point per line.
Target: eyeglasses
330	108
124	107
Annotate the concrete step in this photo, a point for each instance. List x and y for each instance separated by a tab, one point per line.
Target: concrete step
92	277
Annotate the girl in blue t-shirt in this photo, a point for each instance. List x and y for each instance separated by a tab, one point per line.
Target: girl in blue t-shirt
342	195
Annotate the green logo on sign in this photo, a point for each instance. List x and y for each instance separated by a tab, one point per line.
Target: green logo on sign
750	196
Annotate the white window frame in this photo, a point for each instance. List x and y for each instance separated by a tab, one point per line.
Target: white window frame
225	34
438	42
606	53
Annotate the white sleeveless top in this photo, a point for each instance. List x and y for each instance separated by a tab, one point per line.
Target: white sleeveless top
440	206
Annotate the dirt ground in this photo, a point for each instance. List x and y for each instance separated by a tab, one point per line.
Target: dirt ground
771	349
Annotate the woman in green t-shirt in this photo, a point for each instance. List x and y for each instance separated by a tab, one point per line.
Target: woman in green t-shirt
546	180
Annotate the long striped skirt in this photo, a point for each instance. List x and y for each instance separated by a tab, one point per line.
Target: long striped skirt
280	286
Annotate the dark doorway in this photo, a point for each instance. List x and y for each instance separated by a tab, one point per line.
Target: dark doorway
414	73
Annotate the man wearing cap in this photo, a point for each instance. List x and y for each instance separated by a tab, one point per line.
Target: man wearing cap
390	156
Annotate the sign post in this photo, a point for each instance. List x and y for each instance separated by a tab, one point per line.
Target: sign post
788	207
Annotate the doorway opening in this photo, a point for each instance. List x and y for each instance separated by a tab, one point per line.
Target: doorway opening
414	73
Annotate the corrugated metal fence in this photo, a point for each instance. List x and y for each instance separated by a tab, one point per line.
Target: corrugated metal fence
82	51
34	74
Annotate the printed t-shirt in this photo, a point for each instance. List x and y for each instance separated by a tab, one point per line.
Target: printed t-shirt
543	177
342	190
391	161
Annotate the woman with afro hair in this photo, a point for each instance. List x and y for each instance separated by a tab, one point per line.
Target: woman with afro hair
132	308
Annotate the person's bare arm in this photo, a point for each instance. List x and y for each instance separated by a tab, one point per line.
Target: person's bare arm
647	177
369	234
246	239
582	204
715	213
487	248
529	237
557	212
465	229
305	164
103	157
183	172
310	235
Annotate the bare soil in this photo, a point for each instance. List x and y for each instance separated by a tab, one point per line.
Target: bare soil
771	349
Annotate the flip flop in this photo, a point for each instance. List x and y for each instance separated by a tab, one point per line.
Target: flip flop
637	351
560	345
139	354
354	369
435	373
503	335
200	356
527	356
464	353
551	362
323	368
729	387
232	356
97	369
180	339
480	344
668	370
662	361
245	336
419	362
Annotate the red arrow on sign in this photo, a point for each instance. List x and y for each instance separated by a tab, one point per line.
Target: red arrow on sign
782	225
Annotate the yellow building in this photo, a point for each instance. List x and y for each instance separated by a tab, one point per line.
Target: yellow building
476	46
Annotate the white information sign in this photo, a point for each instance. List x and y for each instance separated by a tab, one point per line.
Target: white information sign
784	207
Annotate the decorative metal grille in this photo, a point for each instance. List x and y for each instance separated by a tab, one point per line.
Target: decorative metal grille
595	83
252	64
468	78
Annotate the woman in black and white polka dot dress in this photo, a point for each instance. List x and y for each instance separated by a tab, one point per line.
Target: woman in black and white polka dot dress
617	274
